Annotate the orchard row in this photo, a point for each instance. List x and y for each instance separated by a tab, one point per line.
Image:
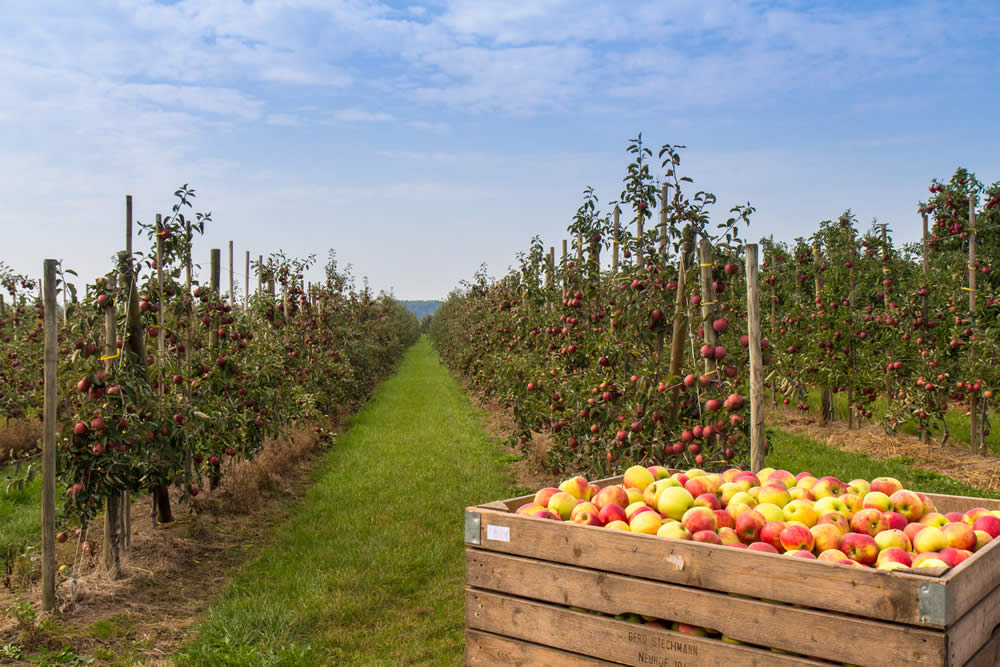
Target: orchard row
647	361
161	379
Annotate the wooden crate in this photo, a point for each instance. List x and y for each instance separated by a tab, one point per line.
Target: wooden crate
524	575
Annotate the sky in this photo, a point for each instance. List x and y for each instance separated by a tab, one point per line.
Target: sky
422	140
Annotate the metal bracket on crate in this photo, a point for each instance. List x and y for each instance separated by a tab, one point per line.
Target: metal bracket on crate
933	603
473	527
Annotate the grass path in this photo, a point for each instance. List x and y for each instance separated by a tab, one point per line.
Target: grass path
369	569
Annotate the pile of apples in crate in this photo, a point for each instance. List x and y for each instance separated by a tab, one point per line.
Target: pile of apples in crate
858	523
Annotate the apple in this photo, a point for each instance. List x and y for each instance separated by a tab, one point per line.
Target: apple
545	513
771	532
930	538
734	510
982	539
674	530
612	512
853	504
912	529
835	519
709	500
830	504
771	512
763	475
587	517
869	522
908	504
749	525
826	536
860	548
707	536
800	553
833	555
969	517
611	495
896	520
528	508
638	477
801	510
727	490
689	629
674	501
636	508
954	557
804	480
852	563
921	557
651	494
730	473
800	493
618	525
960	535
782	477
877	500
886	485
928	503
659	472
698	485
543	495
646	522
955	516
935	519
988	523
728	535
893	555
743	498
723	519
698	519
634	495
893	538
794	537
826	487
563	503
932	562
858	487
578	487
583	506
695	472
776	494
762	546
749	477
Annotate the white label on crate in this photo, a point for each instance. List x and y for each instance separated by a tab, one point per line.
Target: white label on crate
498	533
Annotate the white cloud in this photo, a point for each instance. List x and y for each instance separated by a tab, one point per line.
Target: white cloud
361	116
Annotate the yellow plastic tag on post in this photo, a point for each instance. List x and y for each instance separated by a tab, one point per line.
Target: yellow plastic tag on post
110	356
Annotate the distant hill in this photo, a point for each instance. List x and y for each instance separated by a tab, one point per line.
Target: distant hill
421	308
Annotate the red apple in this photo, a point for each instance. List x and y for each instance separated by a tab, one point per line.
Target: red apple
860	548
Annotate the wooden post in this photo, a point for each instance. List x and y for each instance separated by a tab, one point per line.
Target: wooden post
111	547
707	302
663	222
215	276
826	398
680	317
974	426
128	224
615	239
564	257
232	295
550	260
246	283
925	264
757	444
260	275
49	439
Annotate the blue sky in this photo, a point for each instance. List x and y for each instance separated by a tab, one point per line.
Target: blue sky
420	140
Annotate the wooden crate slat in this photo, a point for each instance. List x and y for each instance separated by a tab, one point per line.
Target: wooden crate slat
946	503
989	654
609	639
974	630
889	596
486	648
804	631
973	580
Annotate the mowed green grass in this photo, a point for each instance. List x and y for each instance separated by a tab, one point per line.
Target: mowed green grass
798	453
20	511
369	569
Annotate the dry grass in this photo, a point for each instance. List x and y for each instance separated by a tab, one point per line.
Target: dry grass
19	437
